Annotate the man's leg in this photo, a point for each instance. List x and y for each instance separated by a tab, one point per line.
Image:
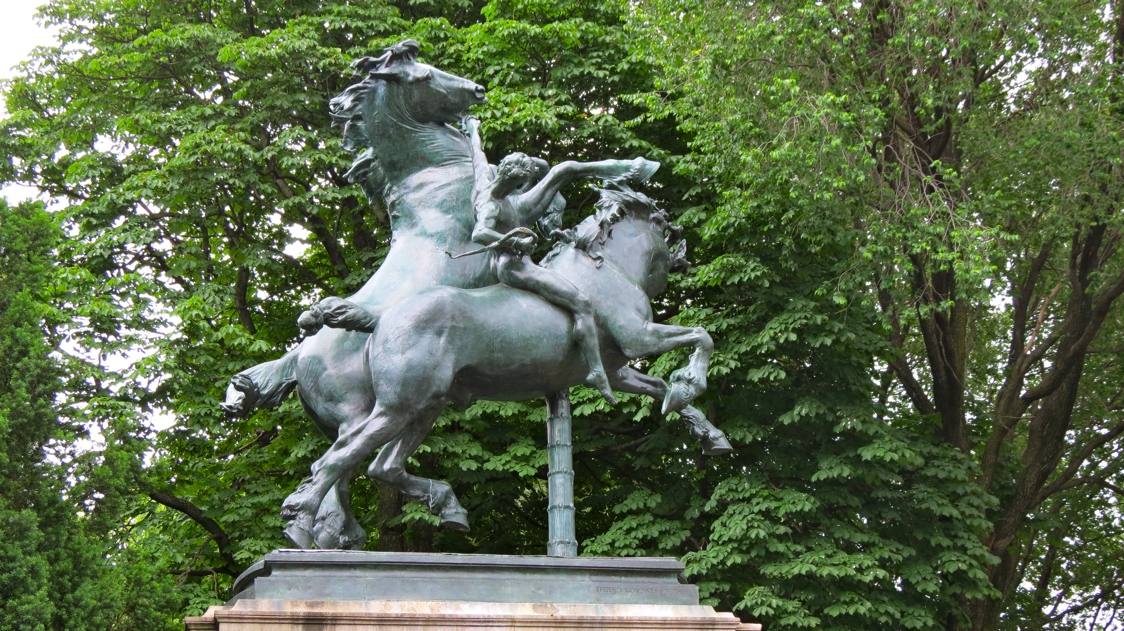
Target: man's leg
521	273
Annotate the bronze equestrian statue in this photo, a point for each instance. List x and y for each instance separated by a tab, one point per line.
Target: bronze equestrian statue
401	120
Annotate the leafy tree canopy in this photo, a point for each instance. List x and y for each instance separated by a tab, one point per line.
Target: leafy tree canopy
879	201
967	159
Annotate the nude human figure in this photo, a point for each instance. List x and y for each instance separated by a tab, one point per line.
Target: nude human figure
517	193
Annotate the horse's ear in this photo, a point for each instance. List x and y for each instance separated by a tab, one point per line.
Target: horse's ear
406	49
679	262
386	75
367	64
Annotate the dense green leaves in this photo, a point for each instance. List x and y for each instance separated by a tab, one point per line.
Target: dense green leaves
963	162
51	573
904	221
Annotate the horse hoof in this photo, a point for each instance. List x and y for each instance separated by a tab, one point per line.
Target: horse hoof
600	381
716	445
326	541
310	323
235	408
353	541
644	169
455	518
242	397
677	398
300	537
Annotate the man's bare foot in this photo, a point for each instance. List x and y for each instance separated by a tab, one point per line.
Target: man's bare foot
598	379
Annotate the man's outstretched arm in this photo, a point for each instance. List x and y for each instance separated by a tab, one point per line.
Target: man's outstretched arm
532	204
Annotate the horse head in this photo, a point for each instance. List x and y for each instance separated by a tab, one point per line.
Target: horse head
636	236
400	99
418	92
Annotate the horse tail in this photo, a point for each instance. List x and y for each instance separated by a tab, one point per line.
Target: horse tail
337	313
263	386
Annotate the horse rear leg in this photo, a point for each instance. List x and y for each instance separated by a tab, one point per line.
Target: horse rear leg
390	469
335	527
714	441
656	339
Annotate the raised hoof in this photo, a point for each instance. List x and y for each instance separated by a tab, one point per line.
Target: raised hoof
310	323
716	445
455	518
233	409
299	536
242	397
643	169
678	396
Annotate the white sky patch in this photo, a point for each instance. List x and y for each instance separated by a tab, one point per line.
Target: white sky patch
297	248
19	34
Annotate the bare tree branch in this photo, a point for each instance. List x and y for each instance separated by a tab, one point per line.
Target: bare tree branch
1078	460
230	566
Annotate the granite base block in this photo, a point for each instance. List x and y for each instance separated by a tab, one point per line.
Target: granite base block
298	615
319	590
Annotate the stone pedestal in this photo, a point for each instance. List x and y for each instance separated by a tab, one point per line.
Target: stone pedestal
321	615
292	590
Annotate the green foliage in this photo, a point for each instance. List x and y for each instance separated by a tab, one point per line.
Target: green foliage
29	378
202	199
960	163
23	579
52	575
28	382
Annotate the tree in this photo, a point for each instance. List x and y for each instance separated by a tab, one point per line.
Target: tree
968	155
205	206
49	569
26	421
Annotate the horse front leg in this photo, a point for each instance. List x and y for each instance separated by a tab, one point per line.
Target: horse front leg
335	527
355	443
714	441
686	383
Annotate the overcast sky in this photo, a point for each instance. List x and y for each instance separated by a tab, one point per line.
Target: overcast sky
19	33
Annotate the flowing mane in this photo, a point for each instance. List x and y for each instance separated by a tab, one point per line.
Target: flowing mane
619	202
616	204
346	110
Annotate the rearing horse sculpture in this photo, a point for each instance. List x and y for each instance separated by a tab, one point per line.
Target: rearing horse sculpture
399	118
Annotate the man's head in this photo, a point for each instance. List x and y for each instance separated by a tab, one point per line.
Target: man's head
515	171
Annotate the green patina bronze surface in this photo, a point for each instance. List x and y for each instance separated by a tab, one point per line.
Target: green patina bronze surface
434	325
